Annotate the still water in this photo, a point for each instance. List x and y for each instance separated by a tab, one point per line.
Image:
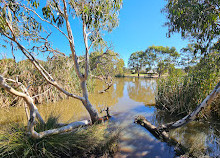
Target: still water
127	98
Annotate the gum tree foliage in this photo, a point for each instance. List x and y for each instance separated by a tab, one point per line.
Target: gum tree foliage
23	24
163	57
137	61
188	57
106	64
198	20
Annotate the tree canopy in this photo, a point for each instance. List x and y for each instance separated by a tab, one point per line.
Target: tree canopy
137	61
155	57
163	57
198	20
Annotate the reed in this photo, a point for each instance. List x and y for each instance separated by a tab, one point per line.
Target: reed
180	93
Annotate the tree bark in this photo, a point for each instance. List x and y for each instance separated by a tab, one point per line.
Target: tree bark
161	135
92	111
29	101
63	129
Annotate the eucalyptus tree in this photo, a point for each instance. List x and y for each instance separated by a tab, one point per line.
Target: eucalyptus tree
199	21
136	61
162	57
188	57
195	19
106	65
23	24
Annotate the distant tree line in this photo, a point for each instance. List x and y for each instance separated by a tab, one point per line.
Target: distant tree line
154	57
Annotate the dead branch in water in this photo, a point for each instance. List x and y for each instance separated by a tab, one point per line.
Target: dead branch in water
161	131
161	135
109	84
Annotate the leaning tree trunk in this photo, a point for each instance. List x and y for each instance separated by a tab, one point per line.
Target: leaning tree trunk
29	101
207	101
92	111
161	131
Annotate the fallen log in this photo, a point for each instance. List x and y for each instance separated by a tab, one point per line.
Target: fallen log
161	131
161	135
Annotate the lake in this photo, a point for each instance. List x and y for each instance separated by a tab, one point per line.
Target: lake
128	98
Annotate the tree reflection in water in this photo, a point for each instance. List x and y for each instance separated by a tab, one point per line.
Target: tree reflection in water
142	90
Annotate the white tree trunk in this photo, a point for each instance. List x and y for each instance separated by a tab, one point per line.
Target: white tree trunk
92	111
207	101
63	129
26	97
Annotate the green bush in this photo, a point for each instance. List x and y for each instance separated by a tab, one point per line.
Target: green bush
180	93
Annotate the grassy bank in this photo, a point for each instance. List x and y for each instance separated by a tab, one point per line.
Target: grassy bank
94	141
180	93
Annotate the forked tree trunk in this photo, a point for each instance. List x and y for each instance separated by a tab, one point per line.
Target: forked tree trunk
93	113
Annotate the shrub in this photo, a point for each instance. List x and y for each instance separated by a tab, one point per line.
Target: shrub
180	93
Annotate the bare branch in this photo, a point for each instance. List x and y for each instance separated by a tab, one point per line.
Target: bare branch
42	93
93	41
25	96
109	84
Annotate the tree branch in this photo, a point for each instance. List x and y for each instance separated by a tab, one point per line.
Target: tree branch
43	72
25	96
45	21
85	37
71	41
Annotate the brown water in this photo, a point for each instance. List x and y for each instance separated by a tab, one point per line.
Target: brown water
128	98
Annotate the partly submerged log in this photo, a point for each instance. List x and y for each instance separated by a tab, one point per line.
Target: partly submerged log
161	131
161	135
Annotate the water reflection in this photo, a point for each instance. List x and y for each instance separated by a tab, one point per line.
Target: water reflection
127	98
142	90
201	137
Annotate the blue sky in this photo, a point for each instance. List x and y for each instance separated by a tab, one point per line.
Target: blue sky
140	25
